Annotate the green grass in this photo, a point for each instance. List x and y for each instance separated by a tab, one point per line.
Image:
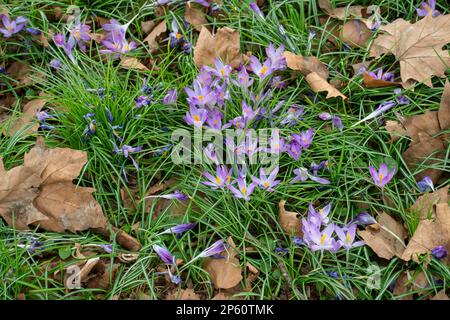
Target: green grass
218	214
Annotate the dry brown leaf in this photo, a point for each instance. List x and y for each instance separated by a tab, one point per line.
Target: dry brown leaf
225	45
221	296
183	294
444	109
426	152
225	273
425	205
427	123
387	241
195	16
358	66
355	33
132	63
68	207
306	65
102	275
342	13
124	239
18	71
395	129
152	38
430	234
440	296
417	46
27	117
370	82
147	26
289	221
319	84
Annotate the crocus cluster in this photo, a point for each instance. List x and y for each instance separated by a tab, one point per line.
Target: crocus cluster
427	7
115	40
11	27
318	232
380	75
79	35
42	117
302	174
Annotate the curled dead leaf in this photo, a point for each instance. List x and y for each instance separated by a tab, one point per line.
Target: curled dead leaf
152	38
132	63
28	117
306	65
425	205
342	13
355	33
441	296
225	45
195	16
289	221
319	84
387	241
370	82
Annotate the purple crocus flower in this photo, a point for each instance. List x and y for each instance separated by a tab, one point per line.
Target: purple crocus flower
382	108
337	122
165	255
363	219
175	37
347	237
261	70
277	59
439	252
294	114
67	46
301	174
210	153
427	7
243	191
244	79
311	36
81	34
11	27
387	76
222	94
142	101
256	9
115	41
267	182
216	248
381	177
126	150
46	127
247	112
180	229
205	3
109	115
33	31
108	248
323	240
222	178
204	77
305	138
201	95
178	195
277	83
298	241
171	97
294	148
43	115
220	69
214	120
426	184
324	116
56	64
401	99
319	216
196	117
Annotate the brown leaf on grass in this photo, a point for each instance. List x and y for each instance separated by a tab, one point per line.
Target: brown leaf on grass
306	65
426	152
429	234
124	239
444	109
425	205
395	129
387	241
319	84
27	117
358	66
19	71
370	82
417	46
195	16
225	45
342	13
147	26
355	33
427	123
289	221
440	296
68	207
132	63
102	275
152	38
97	37
182	294
225	273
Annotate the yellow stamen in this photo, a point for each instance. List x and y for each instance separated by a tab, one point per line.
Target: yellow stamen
381	176
228	178
244	190
178	35
322	239
347	238
264	70
196	118
266	184
218	180
200	98
222	71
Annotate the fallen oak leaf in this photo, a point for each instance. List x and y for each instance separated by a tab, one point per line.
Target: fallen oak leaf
430	234
225	272
425	205
355	33
342	13
395	129
387	240
124	239
27	117
132	63
195	16
152	37
225	45
289	221
417	46
306	65
444	108
319	84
